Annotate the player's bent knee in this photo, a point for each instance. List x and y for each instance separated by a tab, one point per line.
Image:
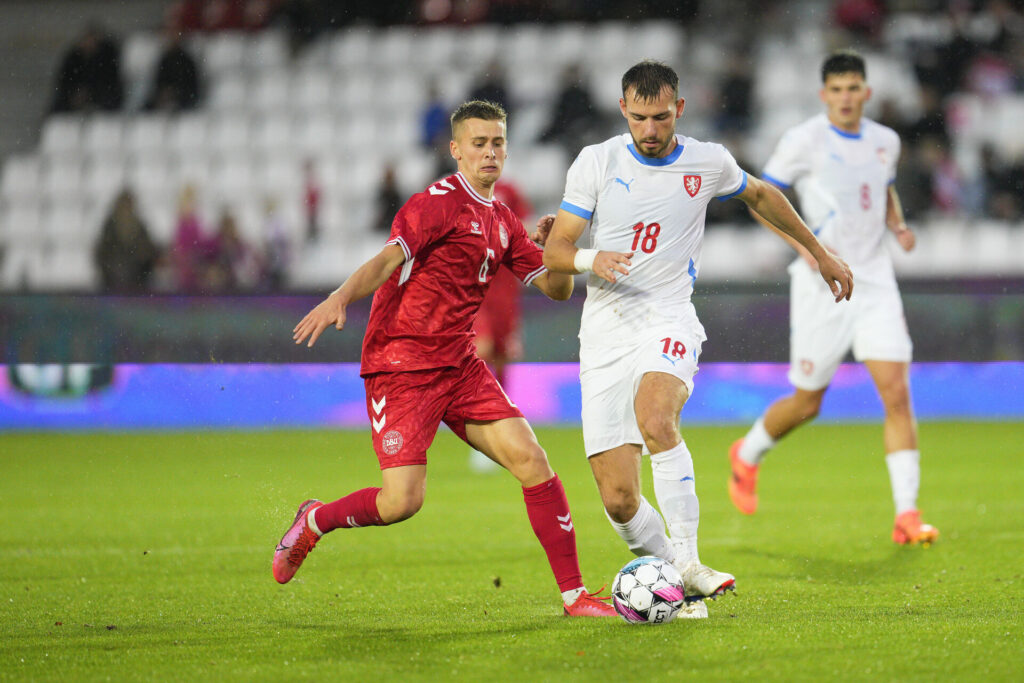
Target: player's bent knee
621	505
398	508
659	430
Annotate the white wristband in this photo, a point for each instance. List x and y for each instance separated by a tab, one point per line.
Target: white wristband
584	260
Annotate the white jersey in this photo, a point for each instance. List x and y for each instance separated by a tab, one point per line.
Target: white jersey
654	208
842	180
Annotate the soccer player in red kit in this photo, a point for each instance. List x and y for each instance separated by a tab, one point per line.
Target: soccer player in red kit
419	363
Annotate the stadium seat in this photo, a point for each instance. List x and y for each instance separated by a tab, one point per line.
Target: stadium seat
393	49
102	132
312	90
188	135
62	179
224	52
61	134
316	134
69	270
229	92
145	133
352	49
271	90
22	177
64	227
104	175
539	172
267	50
21	224
273	134
22	267
229	133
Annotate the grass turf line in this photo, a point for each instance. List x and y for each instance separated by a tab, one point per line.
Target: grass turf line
167	538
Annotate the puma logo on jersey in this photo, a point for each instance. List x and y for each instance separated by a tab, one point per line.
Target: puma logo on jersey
626	185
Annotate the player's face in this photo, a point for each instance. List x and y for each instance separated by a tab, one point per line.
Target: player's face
652	123
844	96
479	149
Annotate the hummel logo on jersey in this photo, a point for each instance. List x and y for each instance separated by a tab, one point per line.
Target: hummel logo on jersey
626	185
691	183
475	228
565	522
378	409
434	189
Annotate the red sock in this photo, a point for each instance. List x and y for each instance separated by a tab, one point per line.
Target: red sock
548	510
356	509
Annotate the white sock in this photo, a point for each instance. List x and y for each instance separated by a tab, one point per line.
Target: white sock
676	491
645	533
571	596
905	476
756	443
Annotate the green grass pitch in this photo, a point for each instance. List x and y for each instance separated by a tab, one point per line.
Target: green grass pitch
147	557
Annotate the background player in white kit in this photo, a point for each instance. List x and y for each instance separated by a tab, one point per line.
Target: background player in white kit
645	194
842	166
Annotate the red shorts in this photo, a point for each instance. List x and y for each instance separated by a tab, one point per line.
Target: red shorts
406	408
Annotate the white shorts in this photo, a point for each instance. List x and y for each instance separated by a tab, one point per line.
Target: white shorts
610	377
822	331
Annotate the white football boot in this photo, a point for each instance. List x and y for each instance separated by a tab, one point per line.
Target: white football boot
701	581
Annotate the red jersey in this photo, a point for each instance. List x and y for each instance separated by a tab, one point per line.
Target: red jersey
454	241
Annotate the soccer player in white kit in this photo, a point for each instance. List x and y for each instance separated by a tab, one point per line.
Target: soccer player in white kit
842	167
644	194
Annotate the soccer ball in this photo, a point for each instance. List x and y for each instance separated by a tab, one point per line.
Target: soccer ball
648	590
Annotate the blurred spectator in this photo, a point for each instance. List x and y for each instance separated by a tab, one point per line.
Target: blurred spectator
191	248
277	247
491	87
947	181
914	182
303	19
89	77
311	195
942	66
735	96
1003	187
389	201
434	127
574	120
234	265
209	15
125	253
176	78
863	18
932	122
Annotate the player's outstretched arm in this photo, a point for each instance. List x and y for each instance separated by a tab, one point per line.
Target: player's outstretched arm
331	311
562	256
895	221
556	286
768	202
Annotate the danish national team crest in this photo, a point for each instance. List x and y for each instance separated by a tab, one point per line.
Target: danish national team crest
691	183
392	442
503	236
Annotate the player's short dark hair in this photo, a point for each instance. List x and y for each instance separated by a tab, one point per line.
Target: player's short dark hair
477	109
843	62
648	79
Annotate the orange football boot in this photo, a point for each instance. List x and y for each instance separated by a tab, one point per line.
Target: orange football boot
910	530
742	482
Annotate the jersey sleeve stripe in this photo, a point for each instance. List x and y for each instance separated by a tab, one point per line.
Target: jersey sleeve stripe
776	182
534	275
576	210
400	242
743	186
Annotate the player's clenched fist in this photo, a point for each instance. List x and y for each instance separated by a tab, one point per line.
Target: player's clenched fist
328	312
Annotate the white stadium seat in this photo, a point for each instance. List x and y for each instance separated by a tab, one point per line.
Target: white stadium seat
62	180
146	132
103	132
61	134
188	135
229	134
22	177
224	52
352	49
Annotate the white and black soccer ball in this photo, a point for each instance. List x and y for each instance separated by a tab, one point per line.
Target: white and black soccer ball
648	590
